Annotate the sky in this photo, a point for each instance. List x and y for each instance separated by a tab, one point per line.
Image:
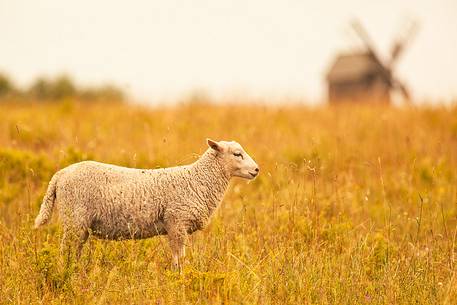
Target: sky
163	50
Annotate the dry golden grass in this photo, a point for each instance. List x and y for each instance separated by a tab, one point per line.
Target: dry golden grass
353	205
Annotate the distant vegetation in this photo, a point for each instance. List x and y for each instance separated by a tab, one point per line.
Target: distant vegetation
58	88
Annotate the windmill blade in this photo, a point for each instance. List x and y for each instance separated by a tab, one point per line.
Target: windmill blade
403	89
383	68
386	70
402	41
363	35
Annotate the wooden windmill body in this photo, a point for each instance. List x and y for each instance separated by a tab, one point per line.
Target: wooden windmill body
362	76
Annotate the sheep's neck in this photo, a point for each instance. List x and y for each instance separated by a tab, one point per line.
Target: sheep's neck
212	180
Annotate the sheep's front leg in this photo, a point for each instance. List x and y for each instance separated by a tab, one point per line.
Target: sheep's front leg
177	239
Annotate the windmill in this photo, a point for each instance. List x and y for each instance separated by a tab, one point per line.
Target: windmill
364	76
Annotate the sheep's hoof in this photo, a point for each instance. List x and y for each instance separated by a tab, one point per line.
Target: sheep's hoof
176	268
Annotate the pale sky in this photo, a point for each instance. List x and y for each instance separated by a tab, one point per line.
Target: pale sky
166	49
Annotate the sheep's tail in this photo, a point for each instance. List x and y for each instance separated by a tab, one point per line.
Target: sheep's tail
48	203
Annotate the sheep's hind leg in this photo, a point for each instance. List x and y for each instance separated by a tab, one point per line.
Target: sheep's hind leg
81	241
73	239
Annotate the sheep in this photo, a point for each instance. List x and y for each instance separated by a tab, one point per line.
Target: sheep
116	203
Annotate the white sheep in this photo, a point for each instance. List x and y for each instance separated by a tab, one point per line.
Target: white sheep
113	202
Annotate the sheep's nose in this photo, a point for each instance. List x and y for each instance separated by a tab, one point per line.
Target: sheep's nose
256	169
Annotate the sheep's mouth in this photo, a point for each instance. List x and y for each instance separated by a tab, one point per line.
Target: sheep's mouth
252	174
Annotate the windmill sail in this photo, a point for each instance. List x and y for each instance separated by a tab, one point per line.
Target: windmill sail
401	42
365	76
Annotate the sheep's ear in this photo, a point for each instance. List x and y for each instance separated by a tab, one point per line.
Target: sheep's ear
214	145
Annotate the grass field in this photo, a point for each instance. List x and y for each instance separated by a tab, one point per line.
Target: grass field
352	205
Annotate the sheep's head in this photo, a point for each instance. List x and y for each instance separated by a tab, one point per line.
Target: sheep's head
236	161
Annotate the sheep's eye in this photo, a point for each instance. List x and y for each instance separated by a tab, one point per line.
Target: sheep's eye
238	155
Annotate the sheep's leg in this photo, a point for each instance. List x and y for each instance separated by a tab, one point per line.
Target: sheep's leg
81	241
64	243
177	240
72	238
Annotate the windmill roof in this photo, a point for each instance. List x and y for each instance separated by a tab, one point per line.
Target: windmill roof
353	66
